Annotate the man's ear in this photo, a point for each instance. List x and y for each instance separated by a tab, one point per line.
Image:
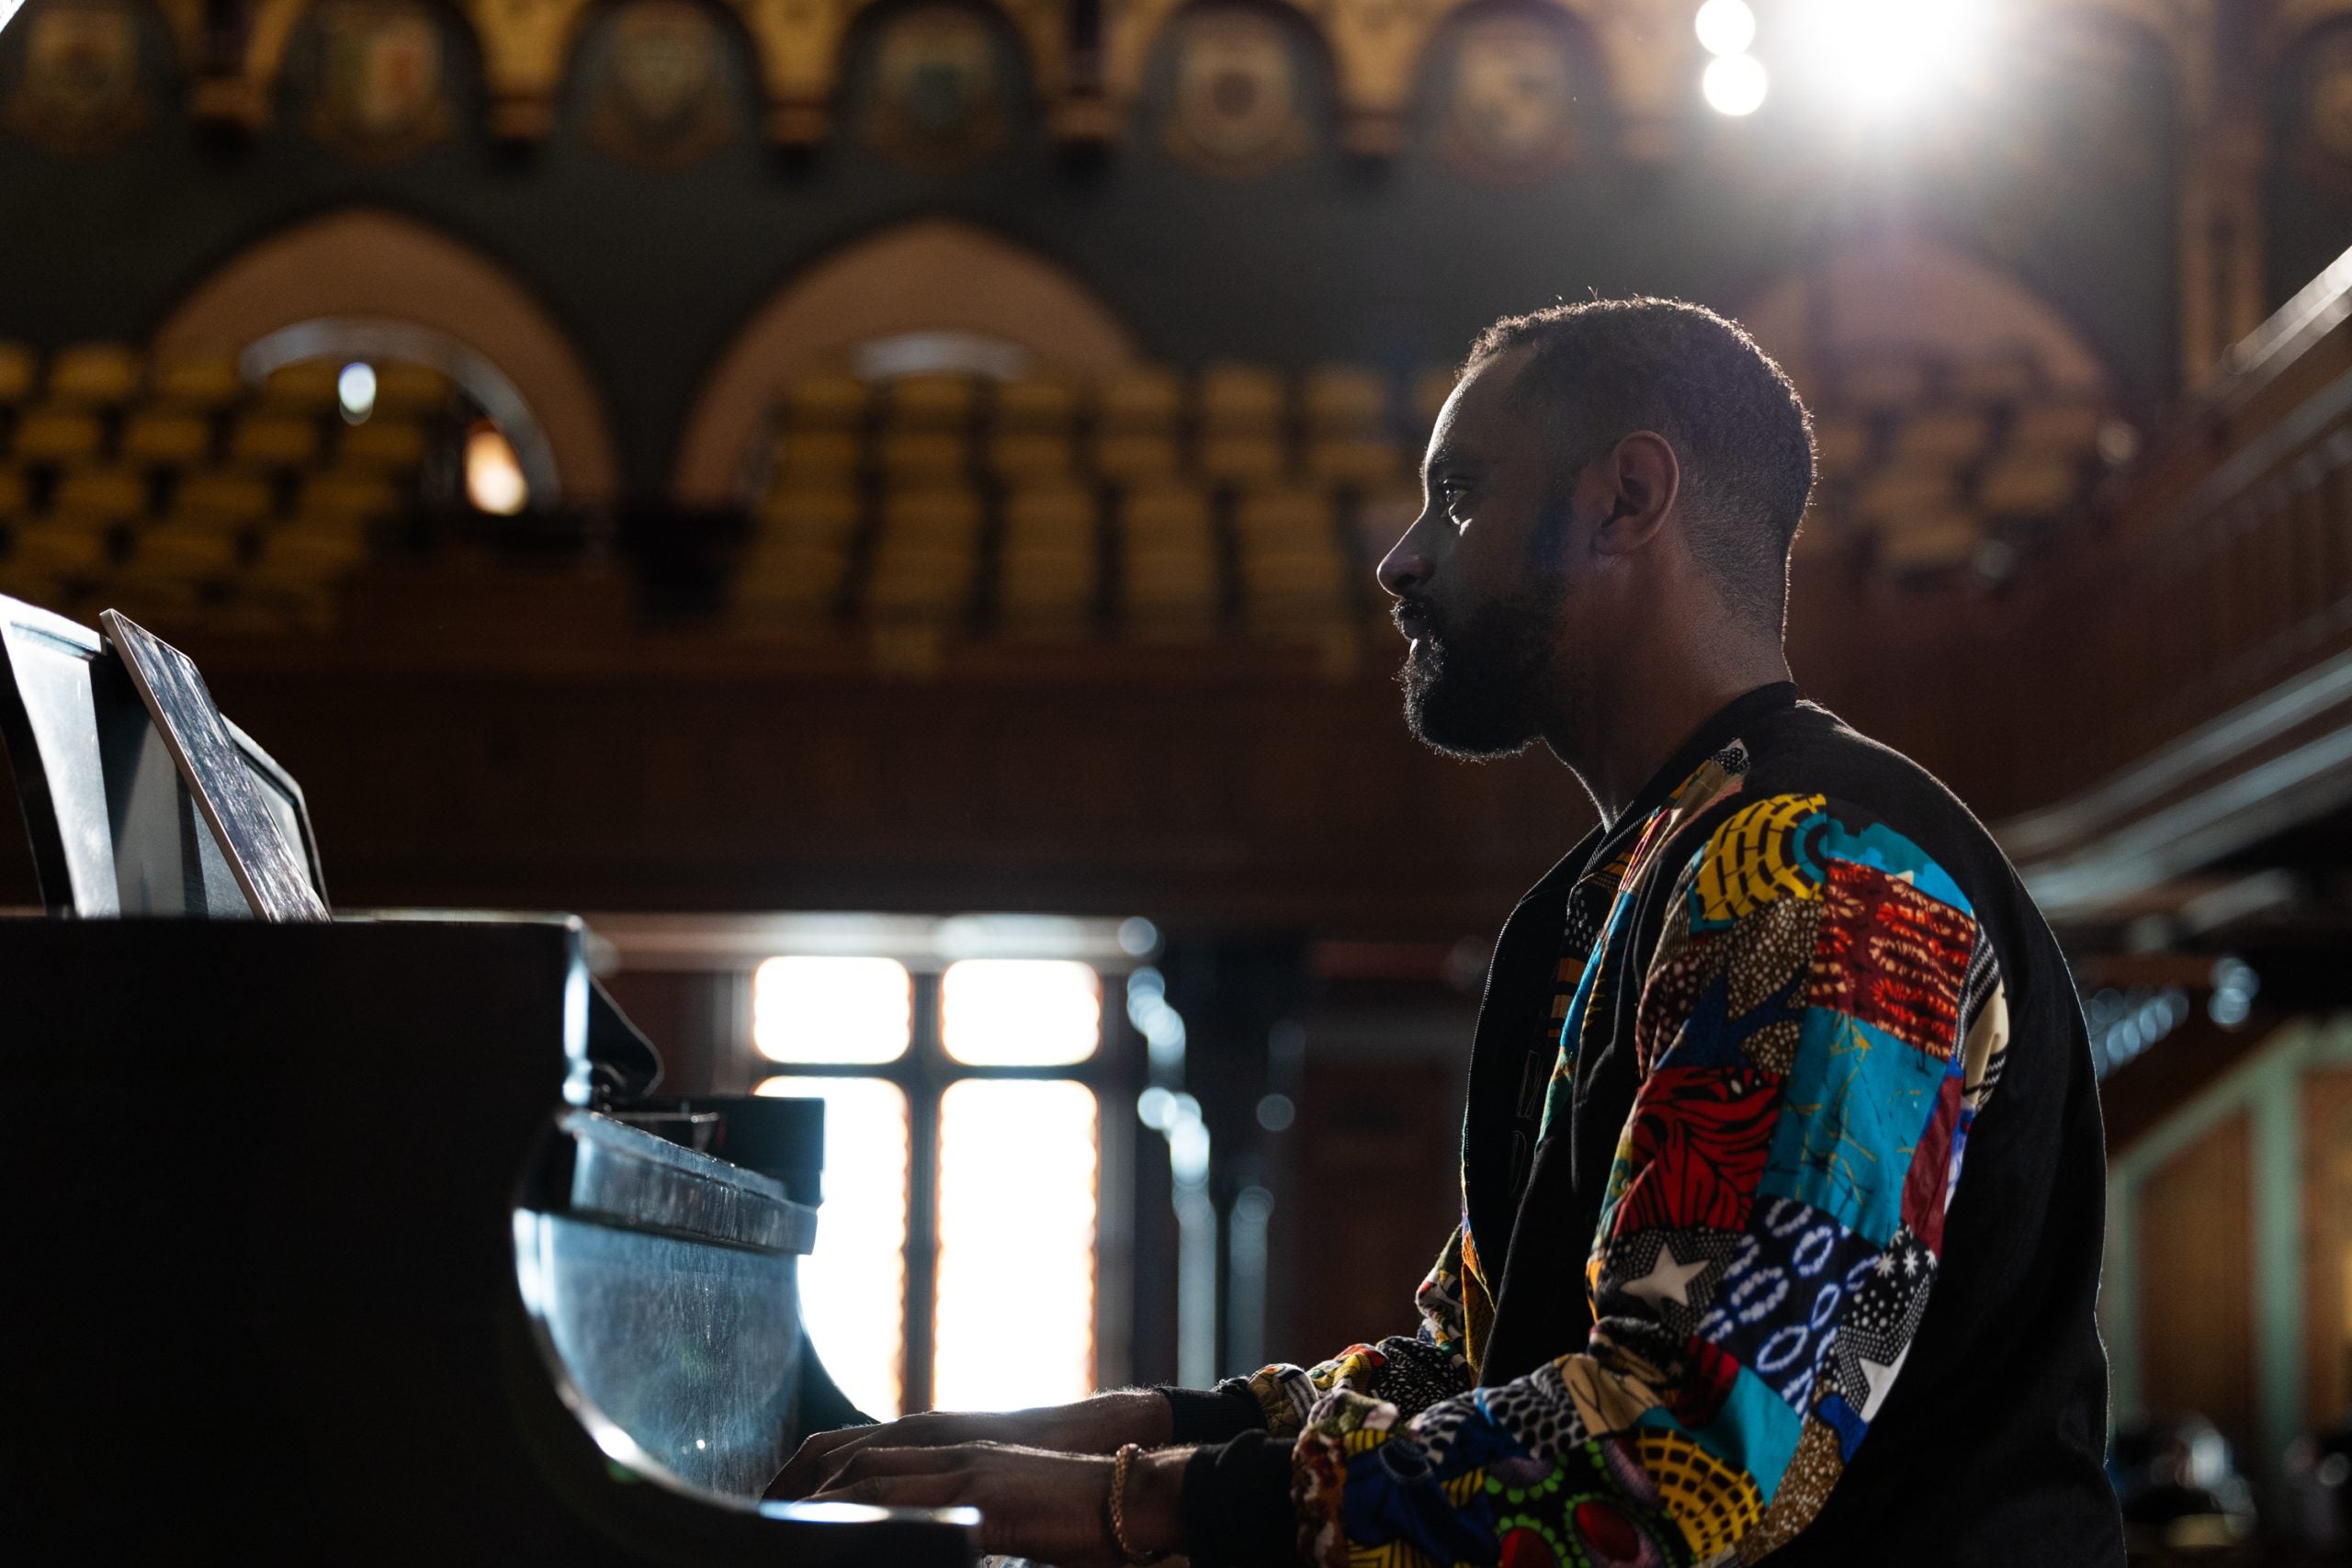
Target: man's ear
1643	478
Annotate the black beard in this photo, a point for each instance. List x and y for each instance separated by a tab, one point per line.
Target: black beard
1474	691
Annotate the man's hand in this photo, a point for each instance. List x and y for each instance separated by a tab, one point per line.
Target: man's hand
1096	1426
1052	1507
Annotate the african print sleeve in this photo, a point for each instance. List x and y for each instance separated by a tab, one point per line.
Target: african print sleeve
1407	1373
1819	1023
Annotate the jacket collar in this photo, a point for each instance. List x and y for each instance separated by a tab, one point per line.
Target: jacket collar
1718	730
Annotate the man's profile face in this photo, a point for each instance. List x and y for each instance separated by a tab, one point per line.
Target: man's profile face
1481	578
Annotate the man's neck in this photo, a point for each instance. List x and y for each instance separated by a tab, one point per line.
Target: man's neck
1631	732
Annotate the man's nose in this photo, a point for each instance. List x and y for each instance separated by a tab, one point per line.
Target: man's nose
1405	569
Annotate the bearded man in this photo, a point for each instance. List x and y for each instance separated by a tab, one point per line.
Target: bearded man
1781	1169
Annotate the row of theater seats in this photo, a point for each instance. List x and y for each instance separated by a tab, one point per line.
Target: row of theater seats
1337	427
162	483
1167	560
1041	507
1930	461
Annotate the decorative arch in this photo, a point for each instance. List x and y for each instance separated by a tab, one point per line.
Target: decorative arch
1907	293
376	266
933	274
1910	292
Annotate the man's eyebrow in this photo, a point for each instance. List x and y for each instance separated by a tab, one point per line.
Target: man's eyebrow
1446	457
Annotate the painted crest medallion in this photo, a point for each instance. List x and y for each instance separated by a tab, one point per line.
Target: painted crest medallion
1237	108
381	84
658	85
938	95
78	87
1510	98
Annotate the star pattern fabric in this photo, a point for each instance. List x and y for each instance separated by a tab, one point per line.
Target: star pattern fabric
1820	1022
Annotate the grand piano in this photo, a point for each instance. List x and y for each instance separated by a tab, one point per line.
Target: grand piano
364	1238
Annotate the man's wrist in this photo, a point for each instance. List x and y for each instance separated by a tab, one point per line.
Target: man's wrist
1153	1506
1108	1421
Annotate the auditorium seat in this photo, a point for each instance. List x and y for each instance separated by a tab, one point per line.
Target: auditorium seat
308	386
1350	441
177	553
2031	483
115	494
809	458
1895	496
407	390
19	373
368	497
1034	404
1941	438
788	585
1047	576
2069	428
1998	378
291	578
166	438
1149	398
1238	458
194	382
1031	457
1843	443
824	402
825	517
382	446
1293	572
268	440
1940	540
1169	584
923	456
1241	424
48	434
931	403
16	494
94	376
221	501
1353	462
59	547
1873	384
926	555
1136	456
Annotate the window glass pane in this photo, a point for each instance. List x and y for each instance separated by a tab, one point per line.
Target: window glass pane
853	1286
832	1009
1020	1012
1014	1323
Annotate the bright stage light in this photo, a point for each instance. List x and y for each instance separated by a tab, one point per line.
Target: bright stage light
1883	54
1734	84
1725	26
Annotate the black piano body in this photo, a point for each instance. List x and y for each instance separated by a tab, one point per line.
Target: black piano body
334	1241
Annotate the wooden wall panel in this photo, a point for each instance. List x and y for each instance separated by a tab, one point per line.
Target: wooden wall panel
2197	1282
2327	1246
1377	1194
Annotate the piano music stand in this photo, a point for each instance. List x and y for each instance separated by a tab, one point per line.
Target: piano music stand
263	859
113	827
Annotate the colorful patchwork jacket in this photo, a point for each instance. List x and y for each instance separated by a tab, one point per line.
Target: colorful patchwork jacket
1783	1182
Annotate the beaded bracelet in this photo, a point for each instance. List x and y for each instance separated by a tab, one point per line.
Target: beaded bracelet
1119	1463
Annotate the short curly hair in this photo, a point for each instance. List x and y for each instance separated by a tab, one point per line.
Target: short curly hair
1601	369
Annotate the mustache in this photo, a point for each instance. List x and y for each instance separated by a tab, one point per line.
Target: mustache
1410	609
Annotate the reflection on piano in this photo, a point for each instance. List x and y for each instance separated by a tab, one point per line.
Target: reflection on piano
360	1239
